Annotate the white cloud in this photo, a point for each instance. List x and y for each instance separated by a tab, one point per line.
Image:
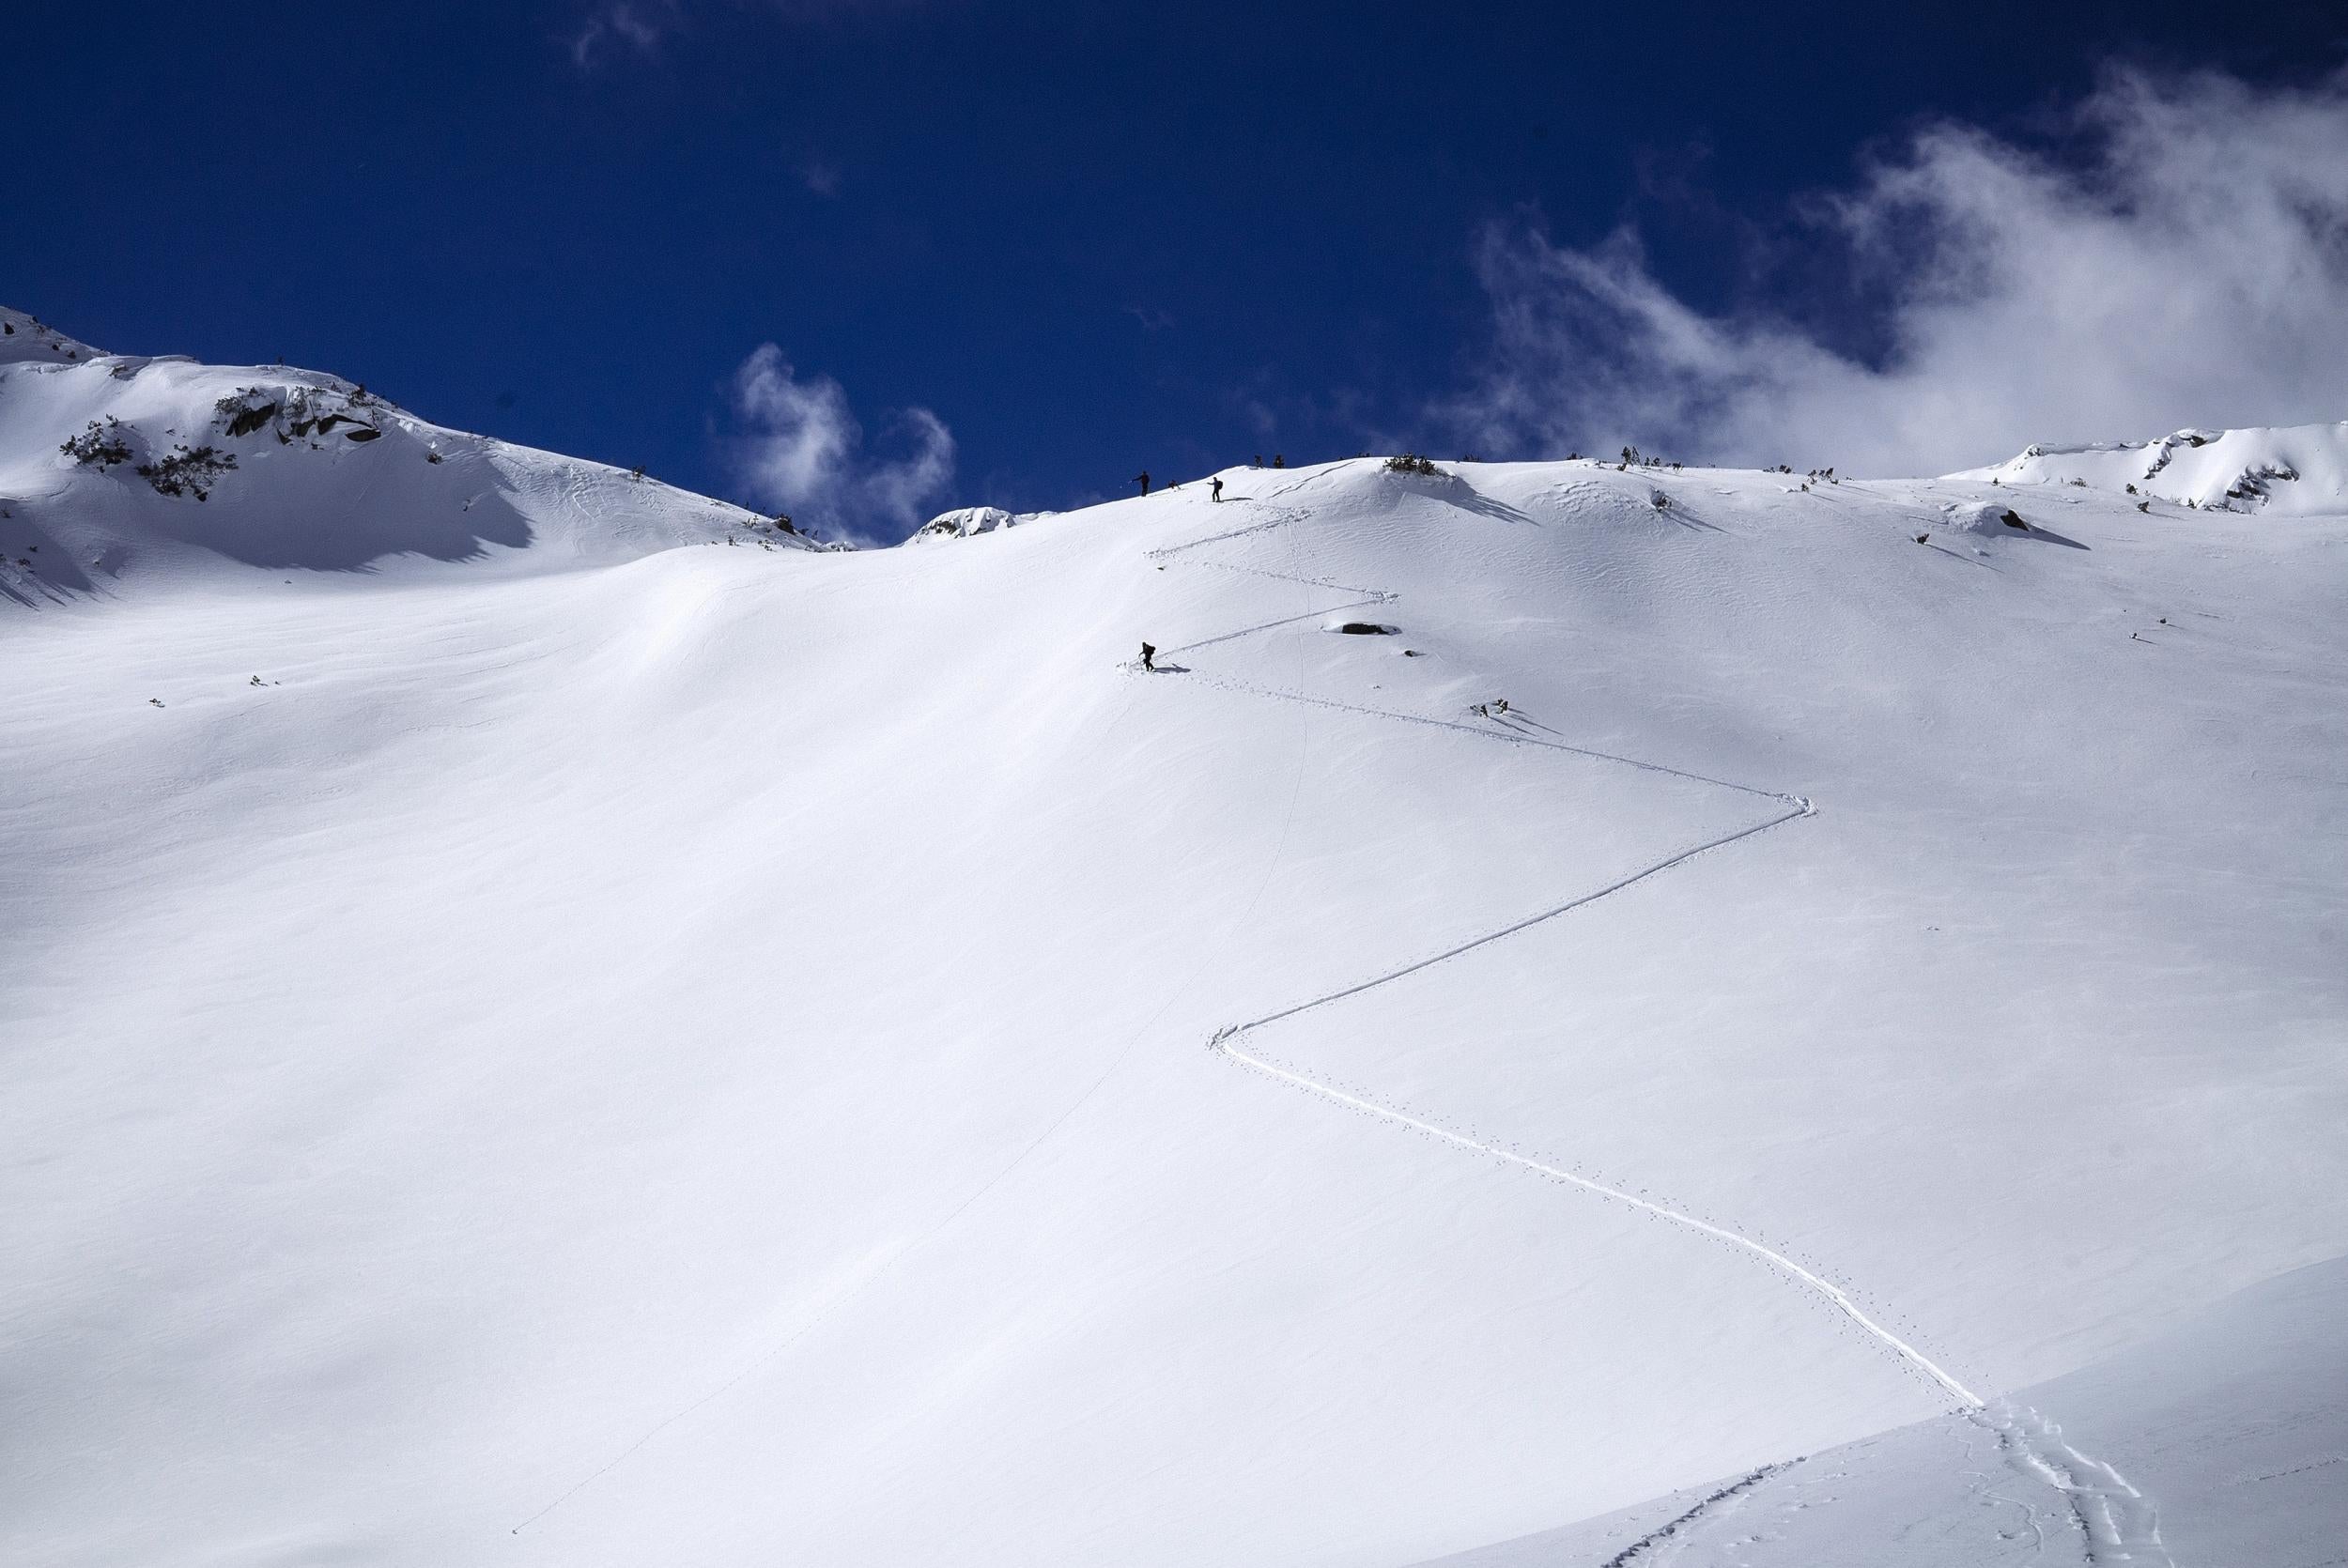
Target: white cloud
801	451
637	23
2191	268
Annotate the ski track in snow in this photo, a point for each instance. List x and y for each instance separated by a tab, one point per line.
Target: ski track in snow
1705	1506
1227	1041
2117	1523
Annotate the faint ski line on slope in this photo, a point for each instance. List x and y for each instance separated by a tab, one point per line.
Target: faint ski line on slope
1222	1044
1383	597
1498	733
1224	1041
1803	810
1269	625
1287	514
2118	1522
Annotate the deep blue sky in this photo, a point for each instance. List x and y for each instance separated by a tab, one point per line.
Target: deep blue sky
1091	239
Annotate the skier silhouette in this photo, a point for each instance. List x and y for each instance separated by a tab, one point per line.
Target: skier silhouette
1142	479
1214	489
1148	655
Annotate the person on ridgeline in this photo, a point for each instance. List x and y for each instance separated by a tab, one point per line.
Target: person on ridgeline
1214	489
1142	479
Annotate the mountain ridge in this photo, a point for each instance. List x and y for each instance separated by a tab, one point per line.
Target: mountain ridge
2292	471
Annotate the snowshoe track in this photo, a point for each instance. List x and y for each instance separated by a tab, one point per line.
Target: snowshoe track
2116	1522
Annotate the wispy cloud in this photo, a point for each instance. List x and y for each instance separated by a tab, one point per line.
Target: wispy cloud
821	176
2190	265
637	25
800	450
607	27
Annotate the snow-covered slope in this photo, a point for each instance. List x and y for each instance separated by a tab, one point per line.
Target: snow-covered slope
2299	472
2221	1442
118	471
26	341
717	1054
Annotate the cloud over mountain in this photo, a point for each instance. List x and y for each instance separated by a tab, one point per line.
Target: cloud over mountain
2189	264
802	450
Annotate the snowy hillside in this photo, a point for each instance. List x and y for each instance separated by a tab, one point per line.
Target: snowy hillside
2219	1442
118	470
611	1054
2300	471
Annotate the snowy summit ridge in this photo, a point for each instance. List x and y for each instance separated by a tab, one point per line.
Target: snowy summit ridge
968	522
2294	471
24	340
119	469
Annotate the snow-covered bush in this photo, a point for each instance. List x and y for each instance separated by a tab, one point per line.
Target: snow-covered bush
100	446
188	470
